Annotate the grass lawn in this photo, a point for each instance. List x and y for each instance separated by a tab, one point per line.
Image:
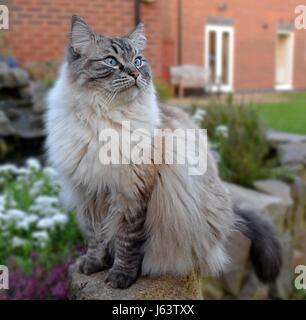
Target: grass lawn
288	114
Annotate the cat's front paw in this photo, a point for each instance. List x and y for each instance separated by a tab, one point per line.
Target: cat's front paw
89	265
119	279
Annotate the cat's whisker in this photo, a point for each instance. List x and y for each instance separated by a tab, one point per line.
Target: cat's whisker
119	80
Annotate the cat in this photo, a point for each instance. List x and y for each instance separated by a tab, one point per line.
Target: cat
138	219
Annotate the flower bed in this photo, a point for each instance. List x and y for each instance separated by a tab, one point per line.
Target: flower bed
38	238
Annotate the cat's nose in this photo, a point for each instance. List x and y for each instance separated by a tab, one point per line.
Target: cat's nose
134	73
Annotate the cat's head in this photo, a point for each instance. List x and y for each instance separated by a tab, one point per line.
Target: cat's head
112	65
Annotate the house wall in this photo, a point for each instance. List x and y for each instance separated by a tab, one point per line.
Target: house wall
256	28
39	28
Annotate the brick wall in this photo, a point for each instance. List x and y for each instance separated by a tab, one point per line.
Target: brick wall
254	61
38	31
39	28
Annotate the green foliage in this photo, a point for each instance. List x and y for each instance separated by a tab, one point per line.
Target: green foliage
238	134
49	82
163	90
3	148
32	219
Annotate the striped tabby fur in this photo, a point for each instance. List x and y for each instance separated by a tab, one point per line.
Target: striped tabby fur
149	219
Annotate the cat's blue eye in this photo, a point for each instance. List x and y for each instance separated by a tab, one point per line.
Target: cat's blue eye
138	62
111	61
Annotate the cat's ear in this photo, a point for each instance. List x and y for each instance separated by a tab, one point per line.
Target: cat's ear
138	37
80	35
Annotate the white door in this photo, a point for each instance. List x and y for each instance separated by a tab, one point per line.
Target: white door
284	60
219	57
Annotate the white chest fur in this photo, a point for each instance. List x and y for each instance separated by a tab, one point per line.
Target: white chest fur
74	121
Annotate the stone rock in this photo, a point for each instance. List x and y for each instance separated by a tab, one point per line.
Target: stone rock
4	68
283	286
38	92
275	188
238	249
253	289
293	153
276	138
212	288
5	126
299	212
22	103
271	206
296	170
299	257
173	288
29	126
13	77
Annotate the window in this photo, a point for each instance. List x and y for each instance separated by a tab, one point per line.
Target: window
219	57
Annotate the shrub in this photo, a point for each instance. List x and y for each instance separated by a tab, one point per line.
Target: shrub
38	238
238	134
163	90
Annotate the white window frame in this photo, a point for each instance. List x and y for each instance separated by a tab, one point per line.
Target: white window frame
219	29
289	86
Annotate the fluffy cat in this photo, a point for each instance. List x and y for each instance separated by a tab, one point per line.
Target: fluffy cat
138	218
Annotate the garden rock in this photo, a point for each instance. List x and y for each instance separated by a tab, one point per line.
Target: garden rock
253	289
299	212
12	77
276	138
22	104
268	205
293	153
283	286
275	188
238	251
5	127
172	288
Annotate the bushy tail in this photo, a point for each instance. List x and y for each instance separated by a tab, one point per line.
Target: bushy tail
266	253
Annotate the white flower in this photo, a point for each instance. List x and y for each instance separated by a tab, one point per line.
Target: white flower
40	235
8	168
33	163
46	211
36	188
24	171
199	115
26	222
45	223
15	215
2	202
60	218
18	242
45	201
222	130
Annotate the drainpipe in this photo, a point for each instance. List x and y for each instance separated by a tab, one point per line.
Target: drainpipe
137	11
180	33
